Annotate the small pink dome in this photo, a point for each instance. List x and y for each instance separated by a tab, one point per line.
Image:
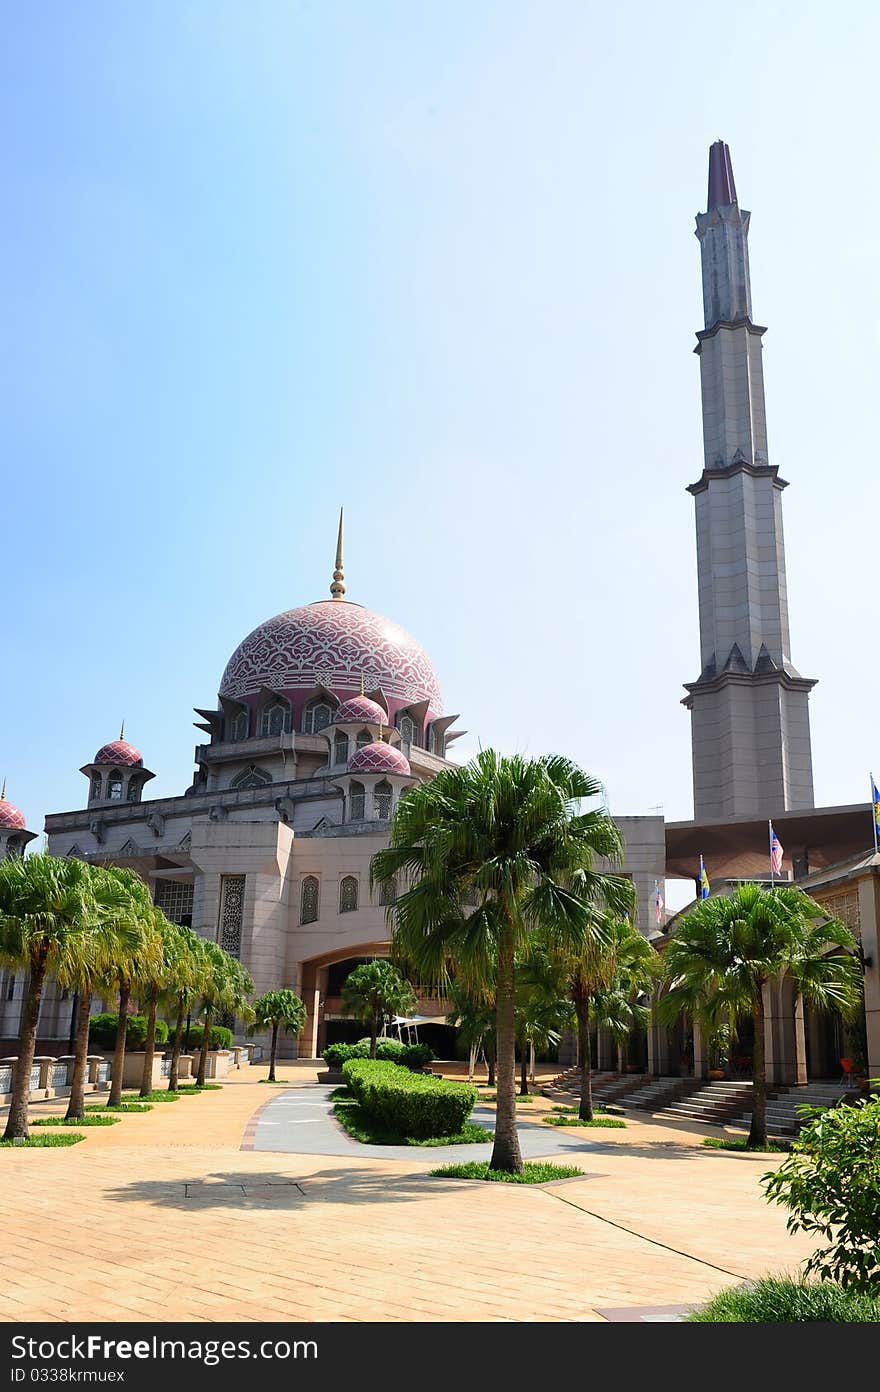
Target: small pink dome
361	708
10	816
379	757
118	752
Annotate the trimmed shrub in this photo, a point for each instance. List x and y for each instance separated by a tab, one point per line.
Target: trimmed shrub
409	1103
102	1031
416	1055
335	1055
387	1051
221	1037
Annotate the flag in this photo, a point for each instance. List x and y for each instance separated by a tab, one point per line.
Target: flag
658	902
875	798
704	881
776	849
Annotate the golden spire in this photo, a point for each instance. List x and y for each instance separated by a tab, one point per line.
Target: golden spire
337	589
362	683
122	730
381	728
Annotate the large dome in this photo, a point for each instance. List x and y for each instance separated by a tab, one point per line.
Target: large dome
11	818
336	644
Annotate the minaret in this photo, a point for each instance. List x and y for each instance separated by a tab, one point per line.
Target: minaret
750	725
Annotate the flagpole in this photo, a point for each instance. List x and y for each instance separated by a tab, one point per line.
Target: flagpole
873	812
770	837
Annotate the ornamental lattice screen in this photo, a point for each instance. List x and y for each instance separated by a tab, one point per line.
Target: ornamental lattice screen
231	913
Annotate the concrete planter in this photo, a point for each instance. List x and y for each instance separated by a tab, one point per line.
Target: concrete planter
331	1075
133	1069
217	1065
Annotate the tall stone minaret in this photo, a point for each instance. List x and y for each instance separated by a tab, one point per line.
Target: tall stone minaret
750	724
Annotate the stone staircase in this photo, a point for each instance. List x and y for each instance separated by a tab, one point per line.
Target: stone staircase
729	1104
782	1105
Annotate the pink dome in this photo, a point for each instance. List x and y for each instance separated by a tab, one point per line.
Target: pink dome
118	752
10	817
379	757
336	644
361	708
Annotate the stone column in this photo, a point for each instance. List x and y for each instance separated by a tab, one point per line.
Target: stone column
701	1051
869	916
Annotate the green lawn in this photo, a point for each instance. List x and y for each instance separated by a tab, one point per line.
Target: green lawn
534	1172
606	1121
93	1120
742	1143
37	1142
119	1107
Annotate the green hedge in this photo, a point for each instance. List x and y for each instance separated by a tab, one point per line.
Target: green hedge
221	1037
387	1051
409	1103
102	1031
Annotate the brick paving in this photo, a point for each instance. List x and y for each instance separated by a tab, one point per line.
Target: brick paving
166	1217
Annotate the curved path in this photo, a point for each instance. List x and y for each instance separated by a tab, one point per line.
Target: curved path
300	1121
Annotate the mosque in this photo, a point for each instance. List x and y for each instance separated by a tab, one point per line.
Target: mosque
328	712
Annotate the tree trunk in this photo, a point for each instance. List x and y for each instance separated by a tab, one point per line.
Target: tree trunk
76	1104
490	1064
758	1128
374	1031
524	1071
274	1048
582	1011
203	1052
17	1121
175	1050
74	1023
150	1044
505	1152
119	1052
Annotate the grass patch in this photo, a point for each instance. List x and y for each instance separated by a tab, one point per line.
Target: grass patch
119	1107
93	1120
742	1143
533	1172
38	1142
158	1096
191	1088
573	1111
361	1127
275	1082
607	1121
777	1301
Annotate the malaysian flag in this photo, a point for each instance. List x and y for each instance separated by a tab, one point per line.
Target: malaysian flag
776	850
658	902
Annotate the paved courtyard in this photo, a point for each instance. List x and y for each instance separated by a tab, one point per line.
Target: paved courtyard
250	1204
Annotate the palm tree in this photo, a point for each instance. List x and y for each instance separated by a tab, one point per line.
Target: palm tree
225	990
604	980
47	906
728	948
473	1019
542	1007
278	1010
157	973
374	991
130	968
187	972
496	850
114	933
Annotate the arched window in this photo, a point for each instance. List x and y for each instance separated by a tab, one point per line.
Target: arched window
316	717
275	719
239	726
356	802
364	738
438	744
134	789
114	785
388	891
382	800
348	894
96	786
407	727
252	777
340	748
309	900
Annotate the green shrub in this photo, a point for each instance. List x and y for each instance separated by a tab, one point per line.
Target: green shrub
779	1301
335	1055
831	1183
412	1104
221	1037
387	1051
416	1055
102	1031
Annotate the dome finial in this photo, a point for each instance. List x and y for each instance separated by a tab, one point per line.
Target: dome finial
122	730
337	589
3	793
363	693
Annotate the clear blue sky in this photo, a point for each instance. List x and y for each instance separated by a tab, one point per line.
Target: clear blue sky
434	261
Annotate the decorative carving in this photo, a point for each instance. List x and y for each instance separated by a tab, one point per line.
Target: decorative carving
218	813
97	827
231	913
285	807
156	823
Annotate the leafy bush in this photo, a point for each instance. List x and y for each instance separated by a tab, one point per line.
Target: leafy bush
831	1183
775	1301
409	1103
221	1037
102	1031
387	1051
